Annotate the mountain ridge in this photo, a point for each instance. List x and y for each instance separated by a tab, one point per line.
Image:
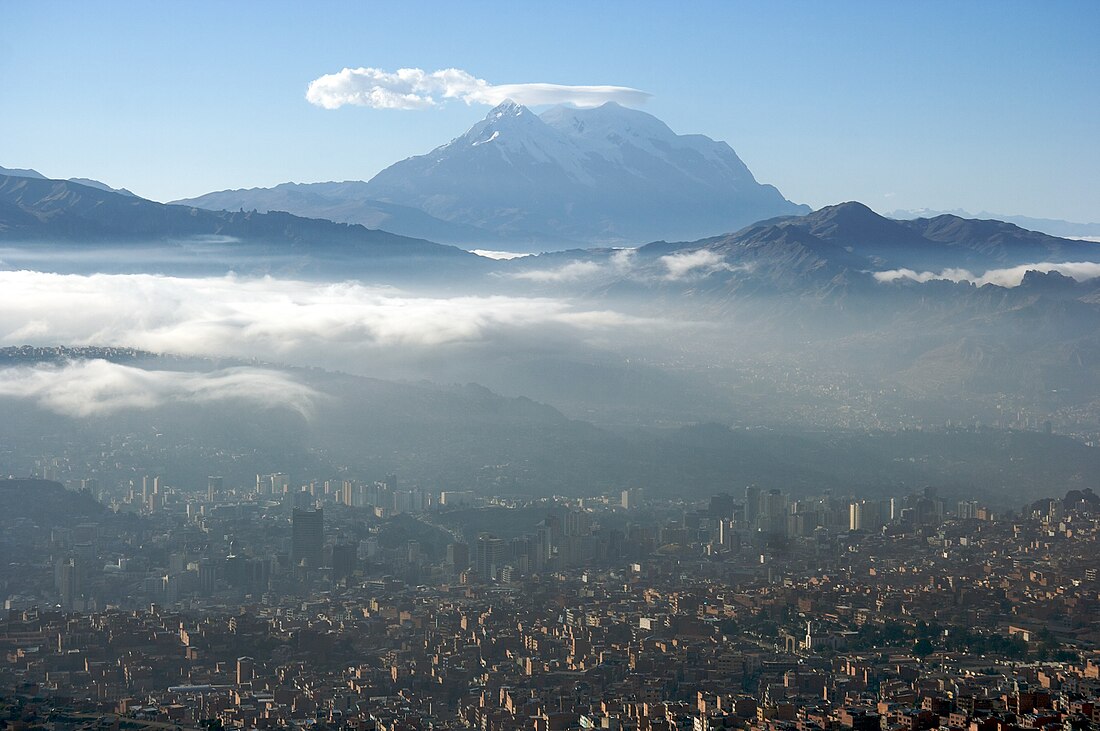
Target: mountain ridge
929	244
564	178
34	174
66	213
1051	226
342	202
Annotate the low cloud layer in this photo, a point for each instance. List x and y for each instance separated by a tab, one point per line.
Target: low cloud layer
701	262
571	272
98	388
624	263
499	255
1008	277
347	325
418	89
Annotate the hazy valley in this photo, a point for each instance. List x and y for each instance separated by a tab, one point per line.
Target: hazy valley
797	330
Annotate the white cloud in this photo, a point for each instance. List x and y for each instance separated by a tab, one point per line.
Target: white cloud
624	263
418	89
305	323
499	255
695	263
98	387
1008	277
570	272
953	275
623	260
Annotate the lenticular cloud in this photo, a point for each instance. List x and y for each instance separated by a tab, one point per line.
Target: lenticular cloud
414	88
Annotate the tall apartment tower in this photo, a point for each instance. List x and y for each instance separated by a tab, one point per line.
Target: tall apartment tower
307	537
458	556
214	485
489	558
752	504
345	559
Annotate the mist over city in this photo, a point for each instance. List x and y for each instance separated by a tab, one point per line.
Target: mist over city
519	368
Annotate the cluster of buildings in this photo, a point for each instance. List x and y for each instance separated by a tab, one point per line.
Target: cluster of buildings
378	607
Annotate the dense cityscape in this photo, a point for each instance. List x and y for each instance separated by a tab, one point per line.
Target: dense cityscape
371	605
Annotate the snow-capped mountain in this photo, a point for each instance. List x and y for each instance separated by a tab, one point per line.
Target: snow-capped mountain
608	174
613	132
564	178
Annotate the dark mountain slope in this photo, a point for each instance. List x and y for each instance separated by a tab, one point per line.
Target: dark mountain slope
66	213
345	202
853	236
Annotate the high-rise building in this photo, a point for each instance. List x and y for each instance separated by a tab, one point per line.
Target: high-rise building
456	498
520	552
307	537
721	505
855	516
408	501
208	576
727	534
458	557
578	523
277	483
967	509
867	515
69	582
752	504
214	487
773	512
489	556
345	559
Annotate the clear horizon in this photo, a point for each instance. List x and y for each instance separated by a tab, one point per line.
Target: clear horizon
981	107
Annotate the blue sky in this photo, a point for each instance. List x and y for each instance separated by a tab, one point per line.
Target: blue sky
977	105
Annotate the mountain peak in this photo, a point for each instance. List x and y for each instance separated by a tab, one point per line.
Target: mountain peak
22	173
607	119
599	174
507	108
850	208
855	219
35	175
